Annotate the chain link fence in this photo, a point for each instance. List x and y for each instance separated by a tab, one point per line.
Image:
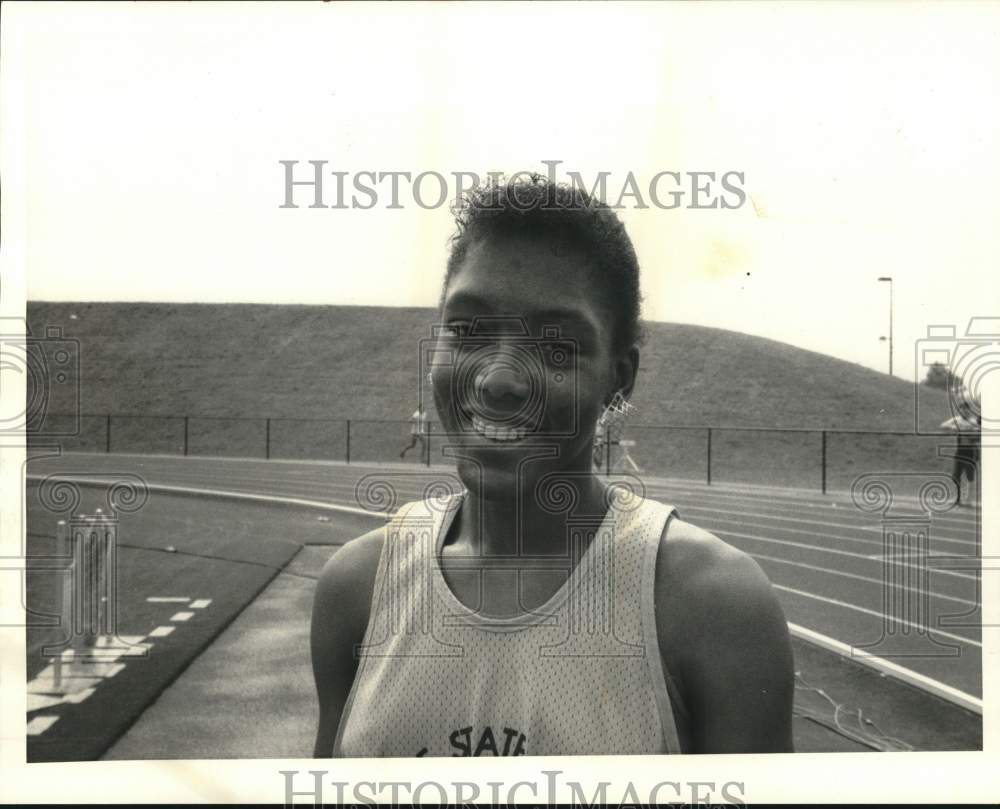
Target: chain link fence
802	458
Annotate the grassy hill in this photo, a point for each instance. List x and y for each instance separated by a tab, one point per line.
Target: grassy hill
346	362
361	362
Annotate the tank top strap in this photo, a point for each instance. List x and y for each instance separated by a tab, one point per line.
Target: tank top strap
406	550
668	696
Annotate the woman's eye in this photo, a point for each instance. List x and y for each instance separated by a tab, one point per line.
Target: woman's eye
457	329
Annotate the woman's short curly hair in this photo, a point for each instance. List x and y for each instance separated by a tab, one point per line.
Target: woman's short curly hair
534	204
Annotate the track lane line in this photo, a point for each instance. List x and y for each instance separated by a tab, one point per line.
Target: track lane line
897	670
227	495
943	571
901	621
797	531
881	664
284	489
737	490
858	576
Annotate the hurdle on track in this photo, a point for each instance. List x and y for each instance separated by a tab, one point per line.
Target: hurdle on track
87	600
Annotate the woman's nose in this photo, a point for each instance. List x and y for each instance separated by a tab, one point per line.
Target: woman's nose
501	384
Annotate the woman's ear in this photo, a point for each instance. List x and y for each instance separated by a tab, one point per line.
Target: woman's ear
626	371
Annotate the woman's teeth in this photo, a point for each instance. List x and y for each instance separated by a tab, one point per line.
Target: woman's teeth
496	432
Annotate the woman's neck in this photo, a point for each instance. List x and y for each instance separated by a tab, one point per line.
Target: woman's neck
523	525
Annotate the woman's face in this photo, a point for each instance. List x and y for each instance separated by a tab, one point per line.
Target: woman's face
524	363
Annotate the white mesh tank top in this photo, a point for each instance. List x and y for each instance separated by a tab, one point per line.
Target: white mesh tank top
581	675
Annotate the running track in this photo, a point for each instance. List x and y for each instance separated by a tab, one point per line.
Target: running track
822	553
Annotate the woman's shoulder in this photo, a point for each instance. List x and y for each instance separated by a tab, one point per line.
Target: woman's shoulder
347	580
354	563
707	585
696	560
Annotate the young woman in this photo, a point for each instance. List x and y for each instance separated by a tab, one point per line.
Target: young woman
541	610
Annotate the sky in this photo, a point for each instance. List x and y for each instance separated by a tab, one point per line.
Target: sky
149	138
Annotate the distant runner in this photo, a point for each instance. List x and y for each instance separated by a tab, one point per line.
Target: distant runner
966	457
418	434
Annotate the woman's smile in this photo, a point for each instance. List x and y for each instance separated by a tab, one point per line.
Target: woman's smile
500	433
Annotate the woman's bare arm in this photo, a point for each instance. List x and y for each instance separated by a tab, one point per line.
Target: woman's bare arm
340	616
723	631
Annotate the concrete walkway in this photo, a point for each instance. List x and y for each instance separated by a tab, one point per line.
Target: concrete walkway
250	694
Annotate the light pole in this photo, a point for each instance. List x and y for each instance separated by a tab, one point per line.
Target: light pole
889	279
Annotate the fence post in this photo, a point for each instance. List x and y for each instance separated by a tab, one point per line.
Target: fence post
823	464
107	440
186	435
348	452
708	459
267	439
428	443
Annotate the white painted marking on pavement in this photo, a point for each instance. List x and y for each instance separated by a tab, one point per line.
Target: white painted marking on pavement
200	603
811	521
40	724
867	611
79	696
167	600
229	495
77	678
36	702
723	534
934	594
880	663
70	681
181	616
108	643
138	650
161	631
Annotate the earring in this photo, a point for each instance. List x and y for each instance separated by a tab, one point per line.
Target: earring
616	411
609	429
